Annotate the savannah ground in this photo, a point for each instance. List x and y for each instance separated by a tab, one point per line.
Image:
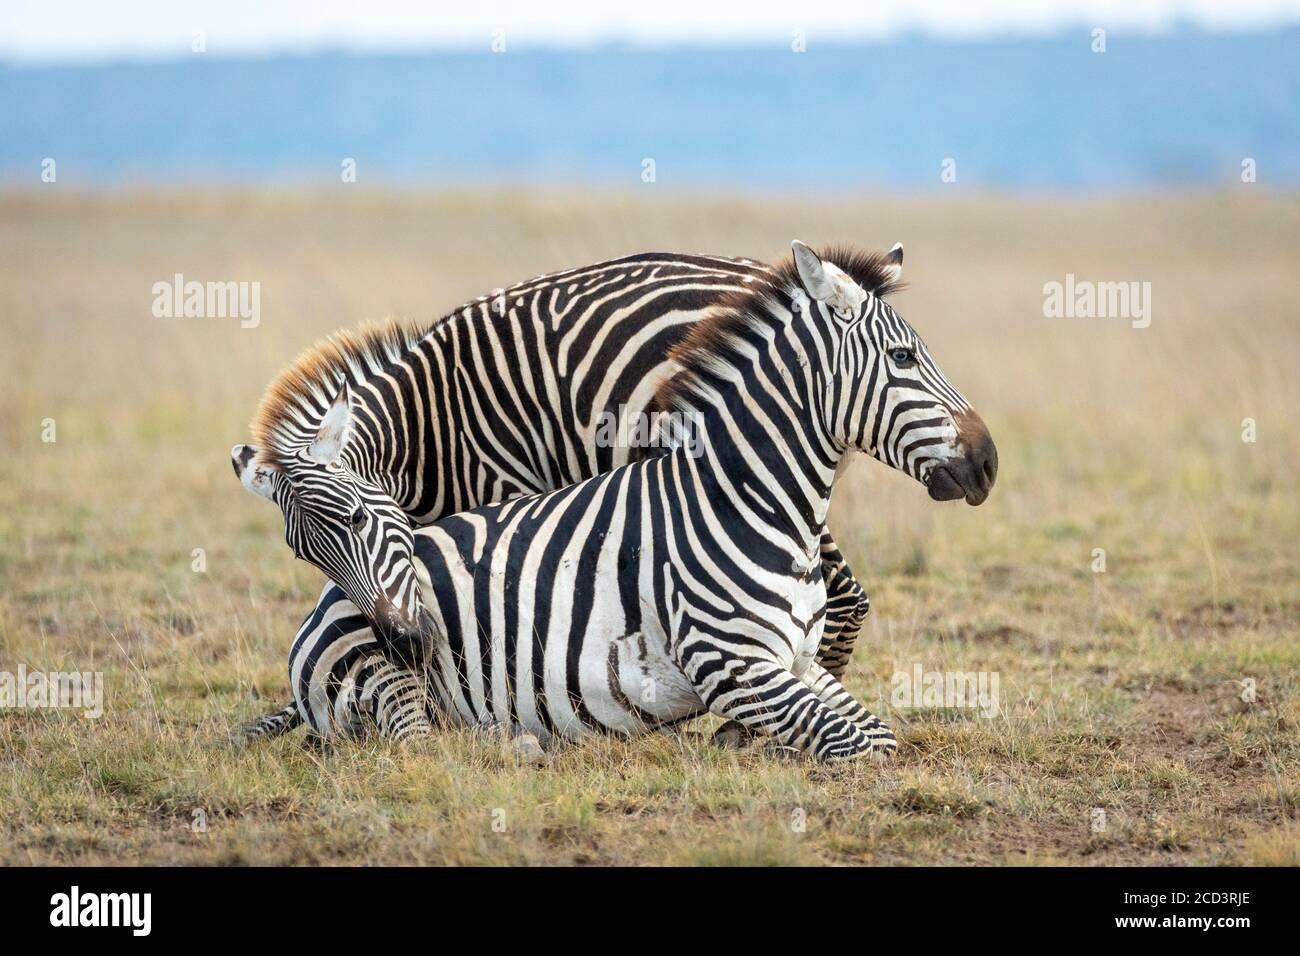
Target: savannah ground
1120	691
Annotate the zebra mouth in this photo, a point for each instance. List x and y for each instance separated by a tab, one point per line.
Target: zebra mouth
942	486
945	485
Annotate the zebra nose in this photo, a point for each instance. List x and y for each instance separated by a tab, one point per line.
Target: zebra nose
981	456
401	634
392	624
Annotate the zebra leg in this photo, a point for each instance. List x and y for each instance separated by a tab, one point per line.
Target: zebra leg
735	735
329	645
769	699
333	619
344	685
269	725
847	605
395	699
834	695
373	694
317	630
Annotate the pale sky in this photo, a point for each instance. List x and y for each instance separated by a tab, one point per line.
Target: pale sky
70	30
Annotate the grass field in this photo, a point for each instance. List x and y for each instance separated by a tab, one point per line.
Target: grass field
1120	691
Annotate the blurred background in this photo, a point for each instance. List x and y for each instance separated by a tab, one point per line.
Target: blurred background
394	159
1077	95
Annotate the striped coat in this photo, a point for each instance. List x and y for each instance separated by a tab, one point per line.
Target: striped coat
511	394
691	581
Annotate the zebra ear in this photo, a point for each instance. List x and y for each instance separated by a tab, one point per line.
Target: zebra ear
894	263
811	272
258	479
328	444
826	282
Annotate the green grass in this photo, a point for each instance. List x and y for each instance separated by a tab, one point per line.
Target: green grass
1120	691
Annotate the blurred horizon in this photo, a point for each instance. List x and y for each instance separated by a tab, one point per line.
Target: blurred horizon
68	31
1177	108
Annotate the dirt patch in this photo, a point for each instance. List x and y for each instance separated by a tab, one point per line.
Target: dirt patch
1171	723
992	634
1224	616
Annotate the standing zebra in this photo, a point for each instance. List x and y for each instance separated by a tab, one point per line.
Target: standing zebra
691	581
502	397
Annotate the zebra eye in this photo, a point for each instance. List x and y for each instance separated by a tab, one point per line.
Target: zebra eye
357	520
903	358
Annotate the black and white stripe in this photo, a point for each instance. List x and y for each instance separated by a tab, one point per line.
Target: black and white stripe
500	398
683	583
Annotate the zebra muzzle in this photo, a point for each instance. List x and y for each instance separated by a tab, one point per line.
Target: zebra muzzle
971	476
392	625
942	486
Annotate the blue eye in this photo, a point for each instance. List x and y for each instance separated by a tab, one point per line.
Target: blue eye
903	358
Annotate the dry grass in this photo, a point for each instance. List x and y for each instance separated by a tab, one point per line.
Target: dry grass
1118	688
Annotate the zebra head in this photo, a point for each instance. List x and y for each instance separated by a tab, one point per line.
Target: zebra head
887	396
342	522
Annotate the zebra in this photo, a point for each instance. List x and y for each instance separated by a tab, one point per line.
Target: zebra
499	398
691	581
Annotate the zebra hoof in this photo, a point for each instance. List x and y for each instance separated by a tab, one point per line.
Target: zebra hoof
733	735
526	750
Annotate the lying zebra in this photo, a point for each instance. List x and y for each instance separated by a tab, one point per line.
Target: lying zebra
691	581
505	396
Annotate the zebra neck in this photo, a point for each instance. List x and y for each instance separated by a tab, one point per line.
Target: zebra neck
383	447
762	443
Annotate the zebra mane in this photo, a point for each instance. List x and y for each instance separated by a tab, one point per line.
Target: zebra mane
870	270
714	342
291	410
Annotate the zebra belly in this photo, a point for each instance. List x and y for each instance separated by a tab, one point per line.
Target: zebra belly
533	628
628	683
556	613
641	686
